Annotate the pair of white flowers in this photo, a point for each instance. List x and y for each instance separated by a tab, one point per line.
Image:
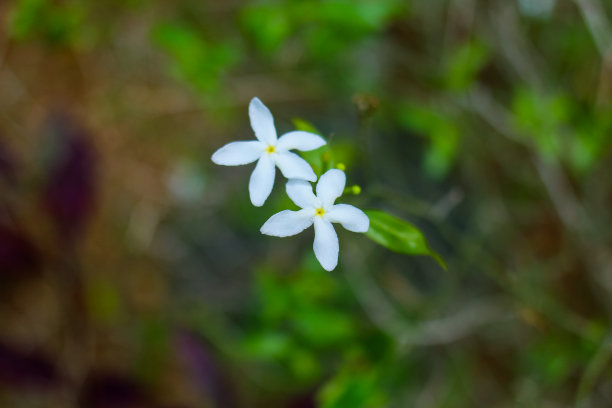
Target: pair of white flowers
318	210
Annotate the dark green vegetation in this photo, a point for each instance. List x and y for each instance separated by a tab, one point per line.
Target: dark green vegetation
132	270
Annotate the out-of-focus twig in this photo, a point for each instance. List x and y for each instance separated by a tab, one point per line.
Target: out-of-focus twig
375	302
563	198
460	18
566	203
545	304
451	328
593	370
568	207
601	31
444	330
481	102
522	59
517	52
447	203
597	23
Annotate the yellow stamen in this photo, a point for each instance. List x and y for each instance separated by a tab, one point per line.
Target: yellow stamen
320	212
270	149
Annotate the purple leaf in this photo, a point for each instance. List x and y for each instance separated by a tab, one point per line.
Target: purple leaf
113	391
303	401
8	165
70	177
19	368
18	256
204	368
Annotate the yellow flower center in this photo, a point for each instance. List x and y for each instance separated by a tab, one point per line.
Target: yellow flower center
319	212
270	149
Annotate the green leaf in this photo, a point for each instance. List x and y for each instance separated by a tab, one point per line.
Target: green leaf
399	235
442	131
540	119
104	302
441	154
304	364
354	388
268	25
267	345
196	60
323	326
301	124
464	65
56	24
316	158
153	348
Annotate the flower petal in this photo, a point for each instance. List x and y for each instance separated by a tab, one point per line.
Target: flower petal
330	186
262	122
325	245
262	180
294	167
237	153
351	218
287	223
300	192
299	140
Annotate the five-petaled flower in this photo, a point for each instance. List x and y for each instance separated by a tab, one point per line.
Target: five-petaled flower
269	152
320	211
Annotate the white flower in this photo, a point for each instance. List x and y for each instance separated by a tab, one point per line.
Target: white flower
269	153
320	211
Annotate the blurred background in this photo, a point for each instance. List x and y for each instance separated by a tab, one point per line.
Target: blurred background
132	270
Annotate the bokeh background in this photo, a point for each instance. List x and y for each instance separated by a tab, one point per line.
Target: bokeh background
132	270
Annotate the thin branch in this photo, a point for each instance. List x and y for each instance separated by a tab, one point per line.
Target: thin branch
566	203
599	27
513	44
444	330
451	328
592	372
597	23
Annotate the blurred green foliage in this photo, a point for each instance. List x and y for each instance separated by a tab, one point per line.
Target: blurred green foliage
323	28
591	141
55	24
196	61
307	323
541	119
464	64
442	132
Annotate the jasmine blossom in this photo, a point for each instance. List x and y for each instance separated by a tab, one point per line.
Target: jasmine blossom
269	152
318	210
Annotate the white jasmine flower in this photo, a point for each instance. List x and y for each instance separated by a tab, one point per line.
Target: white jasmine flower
269	152
321	211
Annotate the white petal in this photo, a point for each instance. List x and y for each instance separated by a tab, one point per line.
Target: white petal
237	153
330	186
300	192
325	245
262	180
294	167
299	140
287	223
262	122
351	218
